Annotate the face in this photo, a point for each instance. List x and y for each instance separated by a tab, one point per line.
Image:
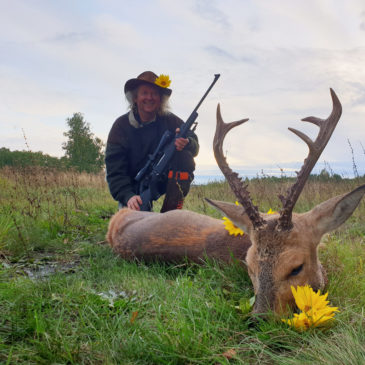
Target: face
276	261
148	101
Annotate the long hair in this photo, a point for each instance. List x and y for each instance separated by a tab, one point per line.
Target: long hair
132	95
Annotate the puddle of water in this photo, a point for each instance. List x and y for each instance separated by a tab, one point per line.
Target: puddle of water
41	268
46	270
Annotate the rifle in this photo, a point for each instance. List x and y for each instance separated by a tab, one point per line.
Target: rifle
157	164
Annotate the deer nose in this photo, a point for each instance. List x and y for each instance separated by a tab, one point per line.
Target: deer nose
263	304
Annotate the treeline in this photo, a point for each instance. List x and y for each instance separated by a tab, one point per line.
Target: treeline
28	158
324	175
83	151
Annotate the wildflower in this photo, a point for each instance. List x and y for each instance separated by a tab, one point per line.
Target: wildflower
163	81
314	307
303	321
308	300
231	227
270	211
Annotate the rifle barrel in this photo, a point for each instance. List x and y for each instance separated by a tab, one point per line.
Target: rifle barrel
216	77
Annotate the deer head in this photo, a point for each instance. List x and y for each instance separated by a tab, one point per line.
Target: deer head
284	245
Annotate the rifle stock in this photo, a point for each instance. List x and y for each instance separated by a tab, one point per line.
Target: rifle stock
157	164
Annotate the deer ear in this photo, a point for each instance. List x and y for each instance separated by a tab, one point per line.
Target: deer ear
330	214
236	213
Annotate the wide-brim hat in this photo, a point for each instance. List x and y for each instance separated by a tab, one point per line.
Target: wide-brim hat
147	77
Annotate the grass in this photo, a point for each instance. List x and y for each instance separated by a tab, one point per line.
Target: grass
65	298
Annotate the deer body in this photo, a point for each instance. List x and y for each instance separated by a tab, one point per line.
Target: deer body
280	250
173	236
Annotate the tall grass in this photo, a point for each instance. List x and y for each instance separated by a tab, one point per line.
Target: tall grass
45	207
65	298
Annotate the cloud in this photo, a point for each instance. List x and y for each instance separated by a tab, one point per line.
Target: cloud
207	9
70	37
216	51
362	21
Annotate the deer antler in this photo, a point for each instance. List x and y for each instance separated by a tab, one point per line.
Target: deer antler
235	182
326	128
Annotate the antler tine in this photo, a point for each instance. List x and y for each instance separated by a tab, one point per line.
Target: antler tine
235	182
326	128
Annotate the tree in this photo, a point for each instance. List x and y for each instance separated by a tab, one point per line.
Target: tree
83	151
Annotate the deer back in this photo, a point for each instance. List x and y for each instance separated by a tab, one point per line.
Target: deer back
173	236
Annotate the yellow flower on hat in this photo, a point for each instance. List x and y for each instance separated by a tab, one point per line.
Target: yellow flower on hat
231	227
163	81
314	307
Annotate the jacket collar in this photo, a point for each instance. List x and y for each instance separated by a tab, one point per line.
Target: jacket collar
134	122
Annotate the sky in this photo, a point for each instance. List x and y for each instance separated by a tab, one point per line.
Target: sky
278	60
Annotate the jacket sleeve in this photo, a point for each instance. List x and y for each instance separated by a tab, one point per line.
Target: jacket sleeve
116	162
193	145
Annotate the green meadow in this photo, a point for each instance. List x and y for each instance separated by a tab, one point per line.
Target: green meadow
66	298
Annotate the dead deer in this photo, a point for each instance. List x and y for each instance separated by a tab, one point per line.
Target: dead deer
279	250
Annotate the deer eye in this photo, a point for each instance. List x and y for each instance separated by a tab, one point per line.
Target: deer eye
296	271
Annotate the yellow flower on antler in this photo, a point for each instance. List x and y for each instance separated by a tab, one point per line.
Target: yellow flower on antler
163	81
231	227
314	307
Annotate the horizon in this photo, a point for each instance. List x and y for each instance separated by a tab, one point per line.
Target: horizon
210	173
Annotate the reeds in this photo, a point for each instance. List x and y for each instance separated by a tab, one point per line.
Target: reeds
37	200
265	191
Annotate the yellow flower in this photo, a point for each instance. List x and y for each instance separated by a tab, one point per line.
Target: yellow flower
303	321
231	228
306	299
314	307
270	211
163	81
299	321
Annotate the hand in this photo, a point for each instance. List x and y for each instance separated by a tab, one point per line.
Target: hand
134	202
180	143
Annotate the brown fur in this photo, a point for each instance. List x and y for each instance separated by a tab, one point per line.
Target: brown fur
173	236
